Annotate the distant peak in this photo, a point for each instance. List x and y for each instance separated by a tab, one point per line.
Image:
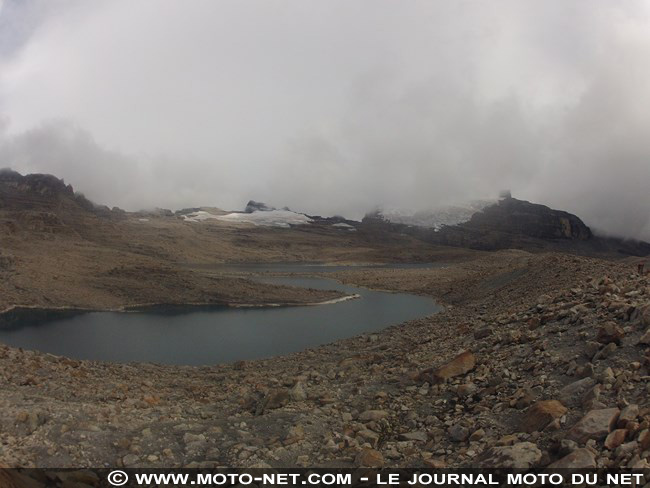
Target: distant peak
253	206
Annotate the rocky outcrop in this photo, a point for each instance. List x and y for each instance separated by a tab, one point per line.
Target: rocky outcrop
519	217
515	224
45	193
253	206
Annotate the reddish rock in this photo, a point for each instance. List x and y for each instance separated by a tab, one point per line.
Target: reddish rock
595	425
610	332
644	439
370	458
541	414
460	365
435	463
533	323
628	414
615	438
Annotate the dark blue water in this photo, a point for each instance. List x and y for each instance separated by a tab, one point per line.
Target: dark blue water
313	267
219	335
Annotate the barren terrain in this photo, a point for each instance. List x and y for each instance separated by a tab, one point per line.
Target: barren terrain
536	360
130	262
548	340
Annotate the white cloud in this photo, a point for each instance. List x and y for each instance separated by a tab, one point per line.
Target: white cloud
334	106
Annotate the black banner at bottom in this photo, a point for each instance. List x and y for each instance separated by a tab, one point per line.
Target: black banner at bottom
303	477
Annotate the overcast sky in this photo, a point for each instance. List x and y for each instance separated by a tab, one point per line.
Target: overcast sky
333	106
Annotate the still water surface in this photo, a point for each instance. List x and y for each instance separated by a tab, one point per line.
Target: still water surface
219	335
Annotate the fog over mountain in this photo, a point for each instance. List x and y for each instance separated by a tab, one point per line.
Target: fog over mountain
333	106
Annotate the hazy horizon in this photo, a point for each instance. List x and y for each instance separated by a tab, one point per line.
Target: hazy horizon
333	107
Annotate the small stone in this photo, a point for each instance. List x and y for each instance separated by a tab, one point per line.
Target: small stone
533	323
369	458
507	440
607	376
458	433
189	438
573	393
567	446
466	389
591	399
522	455
130	460
615	438
414	436
435	463
302	460
460	365
369	415
296	433
297	393
644	315
591	348
580	458
483	333
477	435
524	398
541	414
595	425
628	414
610	332
645	338
644	439
274	399
627	448
606	351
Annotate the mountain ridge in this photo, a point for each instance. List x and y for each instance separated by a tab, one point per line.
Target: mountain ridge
511	223
47	201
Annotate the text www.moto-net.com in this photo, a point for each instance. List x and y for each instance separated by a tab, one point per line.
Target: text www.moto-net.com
120	478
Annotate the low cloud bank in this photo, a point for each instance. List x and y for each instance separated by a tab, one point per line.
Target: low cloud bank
334	108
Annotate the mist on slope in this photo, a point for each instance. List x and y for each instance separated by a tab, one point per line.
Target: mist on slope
334	107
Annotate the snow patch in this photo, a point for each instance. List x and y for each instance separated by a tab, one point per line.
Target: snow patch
199	216
269	218
343	225
437	218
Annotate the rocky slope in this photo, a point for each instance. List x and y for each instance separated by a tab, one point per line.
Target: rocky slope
537	359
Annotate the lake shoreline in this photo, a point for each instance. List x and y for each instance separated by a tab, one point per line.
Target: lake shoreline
24	310
208	333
